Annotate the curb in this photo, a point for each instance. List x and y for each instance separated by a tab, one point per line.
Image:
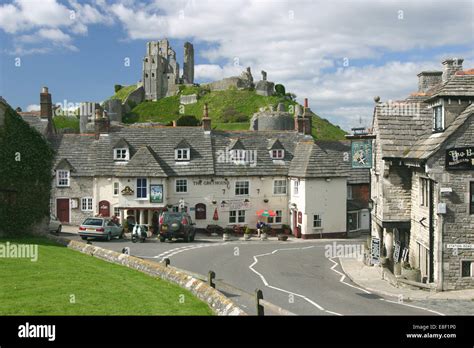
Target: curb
219	304
376	291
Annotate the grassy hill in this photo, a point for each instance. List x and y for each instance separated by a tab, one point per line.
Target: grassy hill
229	110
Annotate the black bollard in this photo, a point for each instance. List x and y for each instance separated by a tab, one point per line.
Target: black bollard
167	262
258	297
210	279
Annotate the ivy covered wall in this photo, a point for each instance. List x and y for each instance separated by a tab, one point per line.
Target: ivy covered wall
25	175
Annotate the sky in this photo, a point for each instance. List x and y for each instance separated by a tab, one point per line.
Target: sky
338	54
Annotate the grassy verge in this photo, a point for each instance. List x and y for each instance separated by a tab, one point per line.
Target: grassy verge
46	287
61	122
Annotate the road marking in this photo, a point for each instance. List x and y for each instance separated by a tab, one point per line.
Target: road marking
408	305
175	251
343	276
265	282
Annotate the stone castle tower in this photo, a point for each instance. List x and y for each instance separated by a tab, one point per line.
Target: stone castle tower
161	70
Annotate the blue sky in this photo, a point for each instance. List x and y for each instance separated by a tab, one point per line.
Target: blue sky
338	54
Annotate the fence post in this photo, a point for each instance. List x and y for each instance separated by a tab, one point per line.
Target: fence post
210	279
167	262
258	297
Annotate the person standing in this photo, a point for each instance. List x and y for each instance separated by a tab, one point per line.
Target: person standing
260	225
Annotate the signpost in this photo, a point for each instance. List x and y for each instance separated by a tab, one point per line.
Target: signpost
461	158
375	251
361	151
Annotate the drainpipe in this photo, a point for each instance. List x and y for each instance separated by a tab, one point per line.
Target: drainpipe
440	285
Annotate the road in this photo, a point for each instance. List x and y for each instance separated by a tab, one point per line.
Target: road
295	275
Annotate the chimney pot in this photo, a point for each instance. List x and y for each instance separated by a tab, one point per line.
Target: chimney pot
305	102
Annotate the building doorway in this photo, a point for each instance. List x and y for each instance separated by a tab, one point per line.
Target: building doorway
62	210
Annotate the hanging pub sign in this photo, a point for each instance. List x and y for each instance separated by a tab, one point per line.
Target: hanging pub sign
156	193
460	158
127	191
361	153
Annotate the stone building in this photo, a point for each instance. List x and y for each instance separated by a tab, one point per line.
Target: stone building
219	177
161	70
423	178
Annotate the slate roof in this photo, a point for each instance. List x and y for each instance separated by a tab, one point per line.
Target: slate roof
428	144
33	119
405	129
460	84
153	154
326	159
401	124
78	149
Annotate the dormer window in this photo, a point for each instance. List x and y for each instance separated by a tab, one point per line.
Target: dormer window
438	118
62	178
121	154
182	154
277	154
239	155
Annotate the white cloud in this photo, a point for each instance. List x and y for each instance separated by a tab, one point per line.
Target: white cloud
33	107
302	43
34	21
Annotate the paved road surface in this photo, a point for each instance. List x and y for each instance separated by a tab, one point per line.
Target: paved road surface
295	275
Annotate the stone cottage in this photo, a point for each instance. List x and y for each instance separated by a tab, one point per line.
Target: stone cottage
422	180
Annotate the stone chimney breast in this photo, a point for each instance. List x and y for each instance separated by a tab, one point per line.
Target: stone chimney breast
429	79
450	67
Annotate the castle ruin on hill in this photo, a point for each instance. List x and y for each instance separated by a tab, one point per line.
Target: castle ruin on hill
160	73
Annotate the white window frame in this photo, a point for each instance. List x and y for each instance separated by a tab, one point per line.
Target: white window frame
277	154
116	188
296	187
117	212
279	187
239	155
138	188
424	192
242	188
237	217
277	219
317	221
89	206
358	216
184	183
182	154
441	107
67	177
349	192
121	154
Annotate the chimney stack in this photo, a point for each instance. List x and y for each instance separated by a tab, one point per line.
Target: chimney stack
206	121
307	118
46	104
101	124
429	79
46	110
450	67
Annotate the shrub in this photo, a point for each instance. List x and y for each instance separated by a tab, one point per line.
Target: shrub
117	88
187	121
230	115
280	90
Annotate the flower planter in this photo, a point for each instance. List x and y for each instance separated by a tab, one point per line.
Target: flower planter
263	236
226	236
247	236
411	274
282	237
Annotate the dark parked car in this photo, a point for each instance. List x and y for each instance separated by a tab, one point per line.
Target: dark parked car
101	228
176	225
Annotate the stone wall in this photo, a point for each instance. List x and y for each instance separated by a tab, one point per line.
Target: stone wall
397	193
452	108
80	187
219	304
458	223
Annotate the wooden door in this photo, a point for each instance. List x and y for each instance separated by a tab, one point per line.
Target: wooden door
62	209
104	208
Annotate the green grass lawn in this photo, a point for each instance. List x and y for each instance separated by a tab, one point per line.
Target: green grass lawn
46	287
61	122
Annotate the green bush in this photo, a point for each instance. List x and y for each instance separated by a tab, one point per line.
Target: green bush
25	175
187	121
117	88
280	90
